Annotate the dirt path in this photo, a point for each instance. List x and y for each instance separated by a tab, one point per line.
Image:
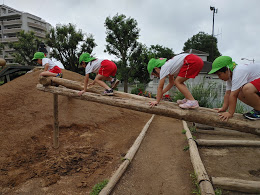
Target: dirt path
160	165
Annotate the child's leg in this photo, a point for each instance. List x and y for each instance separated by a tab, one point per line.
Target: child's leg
48	74
99	80
249	96
179	83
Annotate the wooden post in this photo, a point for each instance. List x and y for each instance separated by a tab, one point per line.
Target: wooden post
56	122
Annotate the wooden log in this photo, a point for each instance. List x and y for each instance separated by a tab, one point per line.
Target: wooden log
248	143
170	109
56	122
128	158
202	176
237	184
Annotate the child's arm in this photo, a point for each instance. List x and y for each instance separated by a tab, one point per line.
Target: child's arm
169	86
231	107
225	103
85	85
159	93
46	66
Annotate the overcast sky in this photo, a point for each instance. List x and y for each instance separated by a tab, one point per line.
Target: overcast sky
169	23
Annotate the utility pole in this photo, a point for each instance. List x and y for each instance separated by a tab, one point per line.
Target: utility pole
214	12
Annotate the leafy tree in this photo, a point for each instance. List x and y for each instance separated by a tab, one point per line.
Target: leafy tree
122	34
158	51
203	42
25	48
68	44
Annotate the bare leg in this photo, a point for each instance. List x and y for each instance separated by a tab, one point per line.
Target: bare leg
179	83
249	96
48	74
99	80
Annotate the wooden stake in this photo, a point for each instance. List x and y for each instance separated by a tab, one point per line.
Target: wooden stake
56	122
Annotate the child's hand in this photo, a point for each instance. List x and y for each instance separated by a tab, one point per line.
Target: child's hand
220	109
153	103
81	92
225	116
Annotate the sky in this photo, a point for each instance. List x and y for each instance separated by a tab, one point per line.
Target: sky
169	23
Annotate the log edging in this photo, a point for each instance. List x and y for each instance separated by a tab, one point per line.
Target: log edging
202	176
127	160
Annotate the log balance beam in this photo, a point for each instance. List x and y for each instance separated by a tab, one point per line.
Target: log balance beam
134	102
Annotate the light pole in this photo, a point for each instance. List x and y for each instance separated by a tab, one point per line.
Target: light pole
248	60
214	12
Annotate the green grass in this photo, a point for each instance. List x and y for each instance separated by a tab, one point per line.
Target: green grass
98	187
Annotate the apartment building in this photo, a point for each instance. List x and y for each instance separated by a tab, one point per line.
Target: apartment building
13	21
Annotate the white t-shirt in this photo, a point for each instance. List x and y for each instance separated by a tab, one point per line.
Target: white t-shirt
172	66
59	64
48	61
93	66
243	74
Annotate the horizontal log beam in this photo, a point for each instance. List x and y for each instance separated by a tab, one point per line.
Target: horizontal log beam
203	142
134	102
237	184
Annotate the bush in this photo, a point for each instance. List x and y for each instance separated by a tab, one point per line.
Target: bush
137	89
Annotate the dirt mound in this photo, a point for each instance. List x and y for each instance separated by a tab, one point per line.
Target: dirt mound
93	138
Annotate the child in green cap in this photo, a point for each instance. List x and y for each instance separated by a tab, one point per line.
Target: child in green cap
50	68
103	68
243	82
183	67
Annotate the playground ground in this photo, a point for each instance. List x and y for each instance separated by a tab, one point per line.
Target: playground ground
93	139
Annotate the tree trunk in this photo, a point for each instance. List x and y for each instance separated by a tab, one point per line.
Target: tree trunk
134	102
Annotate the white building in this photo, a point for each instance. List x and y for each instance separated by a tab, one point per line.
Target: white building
13	21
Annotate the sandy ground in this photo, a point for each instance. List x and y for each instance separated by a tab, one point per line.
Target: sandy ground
93	139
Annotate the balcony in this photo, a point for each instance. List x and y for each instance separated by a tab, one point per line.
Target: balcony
12	22
10	15
40	35
12	31
11	39
38	26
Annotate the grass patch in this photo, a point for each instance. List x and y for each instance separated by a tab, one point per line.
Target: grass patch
98	187
183	131
186	148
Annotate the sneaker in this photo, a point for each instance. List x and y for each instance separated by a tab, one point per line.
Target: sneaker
114	83
182	101
108	92
190	104
59	75
252	115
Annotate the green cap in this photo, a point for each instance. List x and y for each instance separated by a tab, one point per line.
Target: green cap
155	63
85	57
38	55
221	62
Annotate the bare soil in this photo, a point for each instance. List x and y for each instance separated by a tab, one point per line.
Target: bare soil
93	139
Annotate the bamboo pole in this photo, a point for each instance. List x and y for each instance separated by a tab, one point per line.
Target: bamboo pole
169	109
203	142
237	184
128	158
202	176
56	122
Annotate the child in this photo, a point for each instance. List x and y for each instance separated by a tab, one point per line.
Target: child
50	68
183	67
243	82
103	68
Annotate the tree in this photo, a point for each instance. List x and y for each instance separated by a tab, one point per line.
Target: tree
121	37
25	48
68	44
158	51
203	42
